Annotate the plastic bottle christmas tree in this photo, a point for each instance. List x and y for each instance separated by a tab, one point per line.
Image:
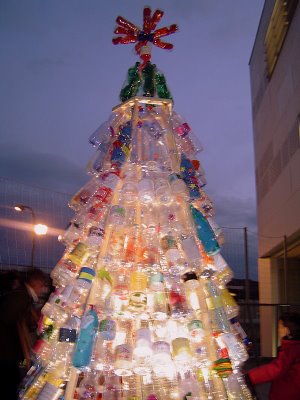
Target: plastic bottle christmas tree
141	310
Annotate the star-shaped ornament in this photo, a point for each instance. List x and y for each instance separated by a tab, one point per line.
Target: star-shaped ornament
130	33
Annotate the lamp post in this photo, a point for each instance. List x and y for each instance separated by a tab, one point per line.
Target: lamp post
38	229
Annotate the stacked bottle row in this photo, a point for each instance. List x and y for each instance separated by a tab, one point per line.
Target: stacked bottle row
145	135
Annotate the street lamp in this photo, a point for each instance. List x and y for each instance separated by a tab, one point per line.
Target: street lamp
38	229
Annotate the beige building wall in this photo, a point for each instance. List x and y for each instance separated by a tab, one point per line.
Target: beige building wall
276	132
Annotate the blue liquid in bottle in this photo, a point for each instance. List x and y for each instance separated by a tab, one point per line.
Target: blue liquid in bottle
85	343
205	233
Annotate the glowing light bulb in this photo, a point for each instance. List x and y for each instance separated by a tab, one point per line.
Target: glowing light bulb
40	229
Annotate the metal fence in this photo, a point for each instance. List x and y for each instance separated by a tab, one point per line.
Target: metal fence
51	208
249	318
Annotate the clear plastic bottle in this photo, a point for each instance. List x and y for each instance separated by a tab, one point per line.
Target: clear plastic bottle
120	290
101	289
236	349
169	246
123	347
32	380
84	194
132	244
104	132
195	296
89	387
123	359
153	151
157	300
67	337
142	351
188	386
74	295
178	186
96	210
48	333
163	191
112	388
95	237
64	271
107	329
100	161
53	386
129	191
72	233
191	248
216	307
231	306
233	388
177	300
239	331
161	356
146	190
196	331
55	313
186	140
217	230
79	254
103	354
166	386
138	289
223	272
150	255
117	215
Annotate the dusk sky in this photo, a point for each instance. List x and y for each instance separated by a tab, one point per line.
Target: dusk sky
61	76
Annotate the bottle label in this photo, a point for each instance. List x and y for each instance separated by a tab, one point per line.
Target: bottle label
49	392
126	150
107	329
168	242
161	347
79	253
195	324
87	274
124	352
183	129
96	231
103	194
138	300
238	328
118	210
214	302
67	335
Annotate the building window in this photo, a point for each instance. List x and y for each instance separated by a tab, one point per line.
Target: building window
281	18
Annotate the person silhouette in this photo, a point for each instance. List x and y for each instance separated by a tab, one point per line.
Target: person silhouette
18	321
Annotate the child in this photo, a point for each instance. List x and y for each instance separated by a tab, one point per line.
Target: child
284	371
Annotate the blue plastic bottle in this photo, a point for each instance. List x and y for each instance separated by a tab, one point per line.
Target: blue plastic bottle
85	343
204	232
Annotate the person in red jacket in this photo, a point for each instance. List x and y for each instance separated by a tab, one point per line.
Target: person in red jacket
284	371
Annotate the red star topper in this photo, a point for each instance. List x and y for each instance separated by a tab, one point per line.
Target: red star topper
133	34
